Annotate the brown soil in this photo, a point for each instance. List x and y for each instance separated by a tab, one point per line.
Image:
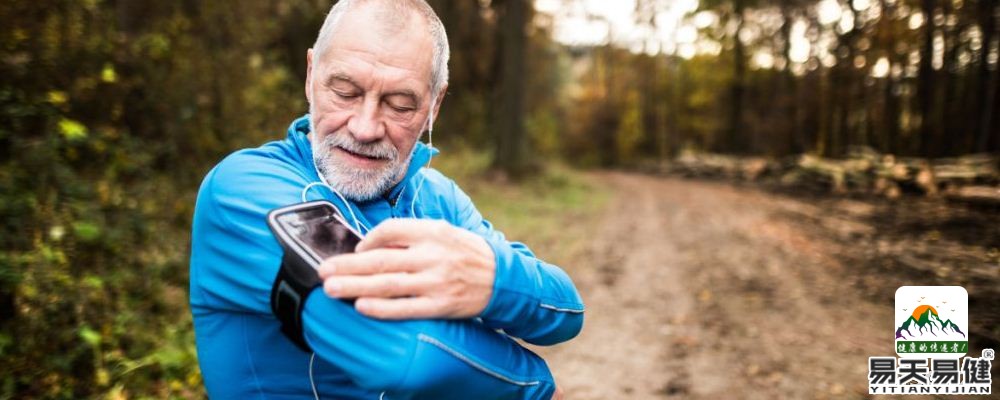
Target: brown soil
702	290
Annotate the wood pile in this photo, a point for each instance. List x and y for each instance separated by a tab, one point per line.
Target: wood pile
971	178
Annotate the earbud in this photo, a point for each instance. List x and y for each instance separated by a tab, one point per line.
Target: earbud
430	131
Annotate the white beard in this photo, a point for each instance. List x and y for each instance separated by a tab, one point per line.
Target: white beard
357	184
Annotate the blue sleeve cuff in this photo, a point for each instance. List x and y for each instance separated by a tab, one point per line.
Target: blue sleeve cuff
532	300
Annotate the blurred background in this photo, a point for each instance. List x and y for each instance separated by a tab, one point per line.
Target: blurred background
725	166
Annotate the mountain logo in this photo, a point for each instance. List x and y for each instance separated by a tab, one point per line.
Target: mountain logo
925	319
932	321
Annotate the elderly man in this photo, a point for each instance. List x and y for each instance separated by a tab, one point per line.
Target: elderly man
437	292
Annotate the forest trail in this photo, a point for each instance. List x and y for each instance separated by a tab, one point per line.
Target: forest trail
701	290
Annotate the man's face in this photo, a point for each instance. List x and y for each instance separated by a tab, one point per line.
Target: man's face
369	100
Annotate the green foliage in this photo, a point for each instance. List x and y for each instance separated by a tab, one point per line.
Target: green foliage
72	130
630	129
110	114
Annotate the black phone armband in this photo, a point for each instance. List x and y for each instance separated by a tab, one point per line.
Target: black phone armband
292	286
308	234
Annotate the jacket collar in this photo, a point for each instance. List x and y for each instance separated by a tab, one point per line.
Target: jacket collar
297	134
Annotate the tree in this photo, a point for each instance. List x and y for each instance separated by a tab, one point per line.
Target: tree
988	79
508	114
734	126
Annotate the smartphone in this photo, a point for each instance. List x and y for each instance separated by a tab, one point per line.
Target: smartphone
312	231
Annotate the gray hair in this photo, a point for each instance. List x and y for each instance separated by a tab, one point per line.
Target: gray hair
396	9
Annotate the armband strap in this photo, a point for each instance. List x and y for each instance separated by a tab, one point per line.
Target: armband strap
295	281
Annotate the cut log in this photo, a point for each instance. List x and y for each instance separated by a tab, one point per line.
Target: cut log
863	170
982	195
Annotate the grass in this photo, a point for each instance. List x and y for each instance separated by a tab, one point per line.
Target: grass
549	211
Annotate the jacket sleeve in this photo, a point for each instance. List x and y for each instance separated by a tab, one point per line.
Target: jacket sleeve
238	259
532	300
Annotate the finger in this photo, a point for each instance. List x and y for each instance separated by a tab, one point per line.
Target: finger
381	285
401	308
401	232
377	261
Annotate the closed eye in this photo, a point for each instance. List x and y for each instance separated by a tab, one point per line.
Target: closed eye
346	95
400	109
343	86
402	103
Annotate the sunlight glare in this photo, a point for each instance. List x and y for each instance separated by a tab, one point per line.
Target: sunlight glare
846	23
686	51
687	34
881	68
916	20
548	6
704	19
763	60
829	11
800	45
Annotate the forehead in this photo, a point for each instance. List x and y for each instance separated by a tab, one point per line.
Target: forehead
370	43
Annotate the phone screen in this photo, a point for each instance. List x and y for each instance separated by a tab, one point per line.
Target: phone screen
320	231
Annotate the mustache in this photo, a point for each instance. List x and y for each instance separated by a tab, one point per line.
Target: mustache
381	150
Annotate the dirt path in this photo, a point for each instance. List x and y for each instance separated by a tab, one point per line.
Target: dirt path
699	290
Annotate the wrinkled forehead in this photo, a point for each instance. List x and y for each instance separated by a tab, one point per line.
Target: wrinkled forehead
383	41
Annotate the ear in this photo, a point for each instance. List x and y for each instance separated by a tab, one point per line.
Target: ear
309	69
437	103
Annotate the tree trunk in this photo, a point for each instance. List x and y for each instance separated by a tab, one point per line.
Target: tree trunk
843	88
987	86
736	90
952	129
788	85
508	119
891	116
824	111
925	80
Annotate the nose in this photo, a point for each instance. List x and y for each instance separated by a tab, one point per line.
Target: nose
364	125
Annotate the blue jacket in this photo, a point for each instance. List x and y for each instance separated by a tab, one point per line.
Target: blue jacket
243	354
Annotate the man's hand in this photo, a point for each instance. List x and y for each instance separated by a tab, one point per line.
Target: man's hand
412	269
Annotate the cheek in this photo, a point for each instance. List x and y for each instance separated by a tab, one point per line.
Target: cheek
404	138
327	118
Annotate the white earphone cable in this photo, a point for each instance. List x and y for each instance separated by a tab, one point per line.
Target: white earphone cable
430	144
311	381
357	222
